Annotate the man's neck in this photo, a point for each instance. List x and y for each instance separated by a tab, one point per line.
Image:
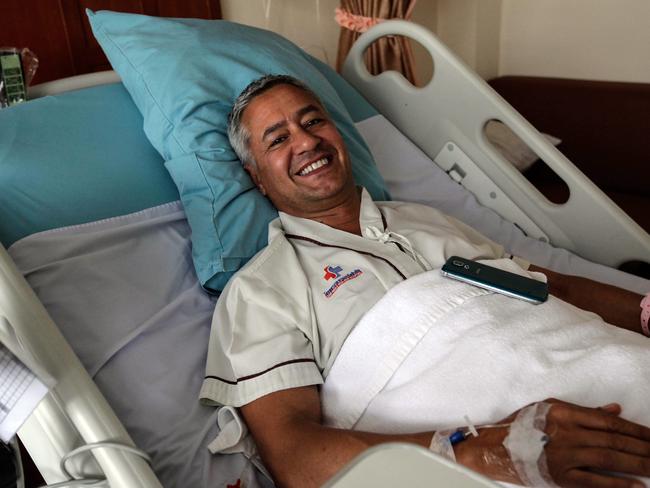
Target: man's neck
344	216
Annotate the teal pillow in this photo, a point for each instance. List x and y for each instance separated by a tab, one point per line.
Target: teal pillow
184	75
75	158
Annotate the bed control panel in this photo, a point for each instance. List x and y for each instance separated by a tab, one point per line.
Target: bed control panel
12	82
464	171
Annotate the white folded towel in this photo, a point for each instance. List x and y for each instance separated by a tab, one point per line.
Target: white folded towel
433	350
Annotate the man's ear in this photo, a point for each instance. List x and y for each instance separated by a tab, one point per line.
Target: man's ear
251	169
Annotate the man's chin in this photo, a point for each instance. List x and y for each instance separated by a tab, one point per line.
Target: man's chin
326	201
326	192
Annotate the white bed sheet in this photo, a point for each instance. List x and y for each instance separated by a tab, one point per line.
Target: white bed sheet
124	293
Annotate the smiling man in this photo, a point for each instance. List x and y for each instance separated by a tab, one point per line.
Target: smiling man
297	158
332	254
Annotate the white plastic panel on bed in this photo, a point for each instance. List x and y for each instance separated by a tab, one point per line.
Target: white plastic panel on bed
453	108
389	465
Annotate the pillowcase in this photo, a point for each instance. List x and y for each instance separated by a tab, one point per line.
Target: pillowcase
184	75
510	145
75	158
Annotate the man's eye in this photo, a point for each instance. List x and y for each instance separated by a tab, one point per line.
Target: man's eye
277	141
313	122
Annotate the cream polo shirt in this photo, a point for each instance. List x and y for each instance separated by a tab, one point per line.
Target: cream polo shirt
282	319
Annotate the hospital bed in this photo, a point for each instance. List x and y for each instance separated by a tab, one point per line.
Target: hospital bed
124	390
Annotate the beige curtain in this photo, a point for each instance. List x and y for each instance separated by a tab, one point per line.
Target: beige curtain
387	53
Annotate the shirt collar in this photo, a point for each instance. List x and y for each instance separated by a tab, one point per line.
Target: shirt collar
369	215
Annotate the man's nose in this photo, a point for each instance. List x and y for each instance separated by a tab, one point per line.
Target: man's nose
305	140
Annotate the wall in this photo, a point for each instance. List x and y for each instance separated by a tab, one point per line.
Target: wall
308	23
471	29
588	39
311	25
425	13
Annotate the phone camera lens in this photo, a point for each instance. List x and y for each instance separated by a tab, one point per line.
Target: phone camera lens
457	263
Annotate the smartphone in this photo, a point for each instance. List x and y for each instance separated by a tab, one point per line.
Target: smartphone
495	279
11	75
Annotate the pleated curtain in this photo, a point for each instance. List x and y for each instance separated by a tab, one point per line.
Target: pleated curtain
387	53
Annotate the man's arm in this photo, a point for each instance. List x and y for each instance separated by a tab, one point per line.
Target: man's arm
296	447
301	452
616	306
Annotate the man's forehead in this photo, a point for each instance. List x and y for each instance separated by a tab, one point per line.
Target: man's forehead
286	93
268	110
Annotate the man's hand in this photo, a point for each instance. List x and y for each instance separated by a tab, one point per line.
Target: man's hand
583	444
586	440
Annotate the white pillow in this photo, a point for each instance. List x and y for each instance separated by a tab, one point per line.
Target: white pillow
511	146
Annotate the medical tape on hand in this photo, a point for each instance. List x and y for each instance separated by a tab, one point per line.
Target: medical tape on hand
442	442
525	444
441	445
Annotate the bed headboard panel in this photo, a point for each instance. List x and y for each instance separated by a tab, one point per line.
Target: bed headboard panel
57	31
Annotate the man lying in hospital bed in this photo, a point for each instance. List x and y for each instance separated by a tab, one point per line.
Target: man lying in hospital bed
336	261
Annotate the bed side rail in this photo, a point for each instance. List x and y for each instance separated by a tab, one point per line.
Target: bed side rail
74	408
446	119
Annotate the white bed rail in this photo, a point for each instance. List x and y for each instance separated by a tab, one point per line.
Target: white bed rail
446	119
397	464
28	332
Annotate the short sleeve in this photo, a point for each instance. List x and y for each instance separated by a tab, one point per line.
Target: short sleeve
260	343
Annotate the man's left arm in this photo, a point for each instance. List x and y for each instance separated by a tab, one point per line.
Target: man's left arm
616	306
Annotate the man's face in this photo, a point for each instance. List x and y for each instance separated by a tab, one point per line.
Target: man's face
302	163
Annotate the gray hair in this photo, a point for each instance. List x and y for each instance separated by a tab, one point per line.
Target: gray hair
238	134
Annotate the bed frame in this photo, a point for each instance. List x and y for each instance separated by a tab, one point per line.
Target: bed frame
75	412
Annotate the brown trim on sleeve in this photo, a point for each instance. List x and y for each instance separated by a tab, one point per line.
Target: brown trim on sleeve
251	376
313	241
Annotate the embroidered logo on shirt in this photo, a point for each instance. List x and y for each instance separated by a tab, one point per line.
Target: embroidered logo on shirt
332	272
340	280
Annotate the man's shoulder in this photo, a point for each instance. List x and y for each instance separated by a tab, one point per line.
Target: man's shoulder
277	250
274	271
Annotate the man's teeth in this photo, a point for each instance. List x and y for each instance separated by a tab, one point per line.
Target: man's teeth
313	167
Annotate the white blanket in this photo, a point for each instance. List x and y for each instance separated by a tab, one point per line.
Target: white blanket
434	349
